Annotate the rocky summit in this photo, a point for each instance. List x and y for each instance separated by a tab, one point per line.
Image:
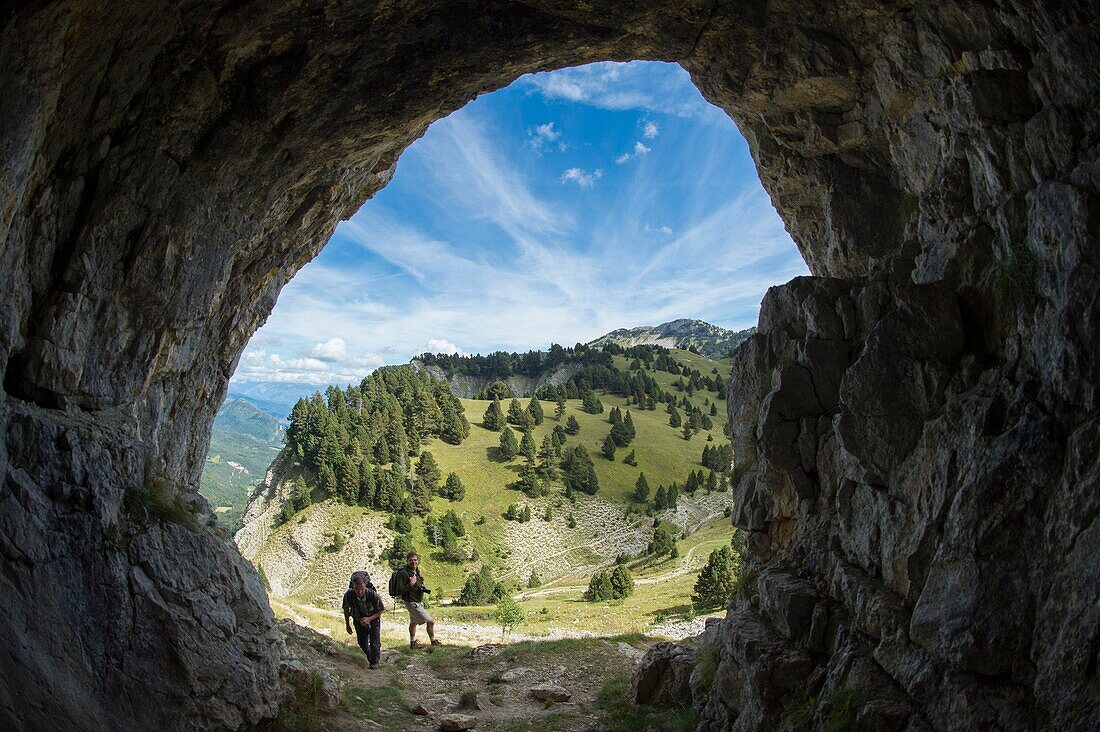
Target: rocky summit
917	420
709	340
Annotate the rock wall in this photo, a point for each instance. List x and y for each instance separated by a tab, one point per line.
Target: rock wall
464	386
918	432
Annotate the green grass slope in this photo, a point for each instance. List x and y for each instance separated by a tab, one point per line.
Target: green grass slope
303	571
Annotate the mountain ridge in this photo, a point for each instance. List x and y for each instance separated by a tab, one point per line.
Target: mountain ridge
710	340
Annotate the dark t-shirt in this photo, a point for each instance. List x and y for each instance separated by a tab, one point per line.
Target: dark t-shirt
369	604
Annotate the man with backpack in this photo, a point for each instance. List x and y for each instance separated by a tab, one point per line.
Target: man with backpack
407	584
363	603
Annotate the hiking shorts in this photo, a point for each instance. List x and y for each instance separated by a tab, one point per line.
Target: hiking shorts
417	613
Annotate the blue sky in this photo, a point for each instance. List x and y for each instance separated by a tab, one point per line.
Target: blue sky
569	204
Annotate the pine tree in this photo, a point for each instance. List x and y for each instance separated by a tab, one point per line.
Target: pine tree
535	410
326	480
599	588
620	433
622	583
661	498
714	410
718	580
399	550
630	459
516	413
628	423
427	472
687	431
579	473
548	459
508	444
526	514
559	410
663	542
609	447
712	481
349	482
615	416
421	498
494	417
455	428
527	446
367	486
572	426
674	418
641	489
528	481
453	489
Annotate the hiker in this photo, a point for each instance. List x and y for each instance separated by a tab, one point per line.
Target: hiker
411	587
363	603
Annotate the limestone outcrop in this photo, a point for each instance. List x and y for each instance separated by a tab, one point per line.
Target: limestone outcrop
917	423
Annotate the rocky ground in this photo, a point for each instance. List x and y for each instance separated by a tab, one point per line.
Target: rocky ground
564	684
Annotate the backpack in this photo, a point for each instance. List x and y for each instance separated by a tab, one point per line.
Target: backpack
360	574
396	590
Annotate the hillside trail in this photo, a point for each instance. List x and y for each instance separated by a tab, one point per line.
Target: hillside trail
684	567
412	690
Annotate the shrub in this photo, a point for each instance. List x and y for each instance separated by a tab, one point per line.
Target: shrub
508	615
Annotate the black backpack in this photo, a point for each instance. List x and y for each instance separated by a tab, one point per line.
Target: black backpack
395	589
360	574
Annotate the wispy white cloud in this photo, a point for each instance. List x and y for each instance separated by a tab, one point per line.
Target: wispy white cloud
543	137
441	345
477	242
634	85
581	178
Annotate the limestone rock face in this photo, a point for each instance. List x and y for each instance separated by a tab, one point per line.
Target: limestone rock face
662	676
916	424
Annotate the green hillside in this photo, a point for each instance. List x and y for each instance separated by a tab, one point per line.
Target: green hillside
340	477
243	442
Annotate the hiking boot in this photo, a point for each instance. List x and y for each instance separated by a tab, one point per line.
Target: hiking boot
415	645
436	642
373	666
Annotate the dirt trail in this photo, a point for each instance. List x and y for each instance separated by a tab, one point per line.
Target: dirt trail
447	679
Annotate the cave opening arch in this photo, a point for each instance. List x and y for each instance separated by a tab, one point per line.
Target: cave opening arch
167	169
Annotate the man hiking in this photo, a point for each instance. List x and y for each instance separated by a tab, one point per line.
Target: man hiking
362	603
410	584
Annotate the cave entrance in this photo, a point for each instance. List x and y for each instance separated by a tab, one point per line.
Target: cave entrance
927	399
565	206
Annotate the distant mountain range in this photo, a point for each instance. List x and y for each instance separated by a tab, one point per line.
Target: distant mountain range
274	397
709	340
243	442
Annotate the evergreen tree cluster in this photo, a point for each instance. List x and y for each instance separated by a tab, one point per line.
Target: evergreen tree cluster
610	585
444	533
501	364
517	514
481	589
718	458
345	438
663	542
579	472
717	582
622	432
